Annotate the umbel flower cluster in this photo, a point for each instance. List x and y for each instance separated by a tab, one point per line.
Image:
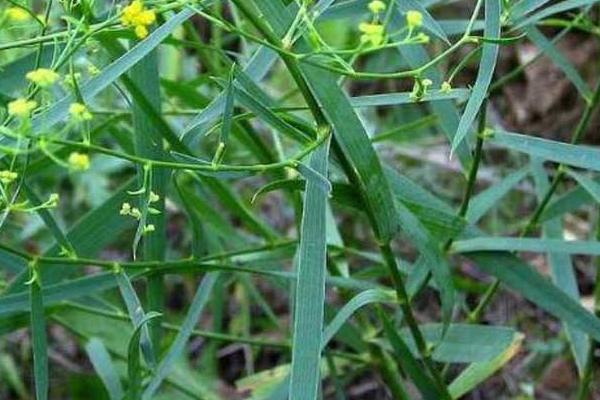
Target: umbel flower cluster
138	17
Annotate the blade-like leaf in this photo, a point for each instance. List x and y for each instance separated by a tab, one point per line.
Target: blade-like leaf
310	284
104	368
522	278
485	73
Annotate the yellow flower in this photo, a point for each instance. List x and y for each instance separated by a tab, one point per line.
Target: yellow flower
372	33
79	112
137	16
93	70
79	161
42	77
446	87
7	176
125	209
17	14
376	6
21	107
414	19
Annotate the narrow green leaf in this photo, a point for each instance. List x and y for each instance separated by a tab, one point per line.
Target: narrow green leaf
360	300
432	254
393	99
104	367
256	69
574	155
134	368
487	199
310	284
522	278
526	244
178	346
136	314
39	339
478	372
485	73
562	62
551	10
562	269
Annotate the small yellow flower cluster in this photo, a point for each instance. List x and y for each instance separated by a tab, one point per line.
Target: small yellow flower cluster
414	19
21	107
17	14
79	161
43	77
138	17
446	87
376	6
7	176
371	33
126	209
79	112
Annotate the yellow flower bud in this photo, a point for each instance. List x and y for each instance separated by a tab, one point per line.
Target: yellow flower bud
446	87
79	112
43	77
17	14
7	176
376	6
372	33
79	161
414	19
21	107
139	18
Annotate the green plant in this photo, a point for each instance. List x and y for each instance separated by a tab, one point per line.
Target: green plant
158	130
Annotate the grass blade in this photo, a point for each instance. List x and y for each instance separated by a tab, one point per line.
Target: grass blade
477	372
522	278
104	368
569	154
310	286
175	351
134	369
486	71
562	270
526	244
485	200
38	336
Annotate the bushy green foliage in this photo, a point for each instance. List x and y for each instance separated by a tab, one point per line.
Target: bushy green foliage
176	170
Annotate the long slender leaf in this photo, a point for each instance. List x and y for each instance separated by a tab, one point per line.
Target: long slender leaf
522	278
485	73
561	267
104	368
310	286
39	339
167	364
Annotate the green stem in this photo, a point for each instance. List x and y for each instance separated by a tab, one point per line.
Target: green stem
409	317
